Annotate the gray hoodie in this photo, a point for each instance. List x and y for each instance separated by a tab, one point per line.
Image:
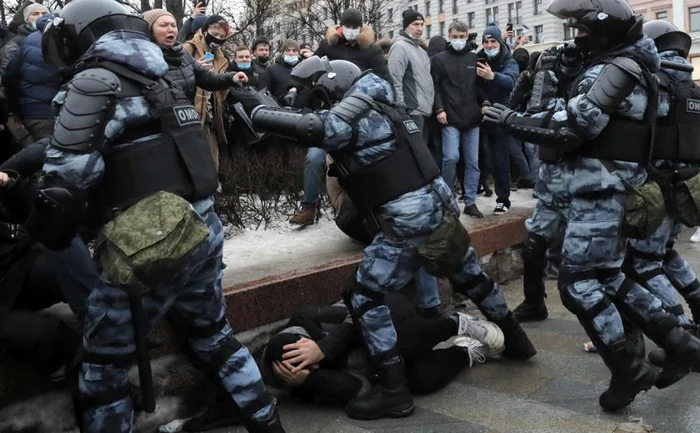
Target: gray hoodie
409	66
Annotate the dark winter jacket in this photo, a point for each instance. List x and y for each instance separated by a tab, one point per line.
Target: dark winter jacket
279	80
29	82
363	52
506	72
188	74
18	19
436	45
9	50
257	76
457	90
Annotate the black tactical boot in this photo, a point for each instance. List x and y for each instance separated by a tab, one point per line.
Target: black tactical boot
270	425
680	345
534	255
389	396
630	376
222	413
527	312
518	345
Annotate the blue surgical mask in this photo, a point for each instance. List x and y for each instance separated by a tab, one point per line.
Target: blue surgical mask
243	66
292	60
458	44
492	53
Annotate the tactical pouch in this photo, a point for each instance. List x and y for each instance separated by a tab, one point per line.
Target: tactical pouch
686	200
149	242
443	251
644	210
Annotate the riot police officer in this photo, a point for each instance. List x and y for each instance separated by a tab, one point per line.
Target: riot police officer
124	134
653	262
604	135
392	178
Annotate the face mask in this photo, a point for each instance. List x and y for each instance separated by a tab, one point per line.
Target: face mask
583	44
292	60
213	41
492	53
350	34
243	66
458	44
33	25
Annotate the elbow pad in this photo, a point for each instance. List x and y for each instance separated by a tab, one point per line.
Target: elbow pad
307	129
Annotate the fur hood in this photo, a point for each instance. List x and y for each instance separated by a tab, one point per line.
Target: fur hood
365	39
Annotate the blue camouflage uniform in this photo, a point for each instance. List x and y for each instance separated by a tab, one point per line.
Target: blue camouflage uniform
194	295
594	207
652	261
391	261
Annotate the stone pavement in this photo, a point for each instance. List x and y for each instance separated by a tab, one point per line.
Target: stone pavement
555	392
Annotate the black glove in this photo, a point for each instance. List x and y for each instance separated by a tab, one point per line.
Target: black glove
548	59
498	114
290	98
570	63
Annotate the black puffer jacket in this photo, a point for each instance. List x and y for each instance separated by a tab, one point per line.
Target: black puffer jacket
363	52
188	74
279	81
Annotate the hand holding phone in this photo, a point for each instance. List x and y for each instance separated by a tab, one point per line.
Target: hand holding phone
509	27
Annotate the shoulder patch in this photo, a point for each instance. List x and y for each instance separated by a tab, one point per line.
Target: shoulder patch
411	126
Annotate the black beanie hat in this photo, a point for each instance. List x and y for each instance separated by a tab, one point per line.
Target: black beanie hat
260	40
351	17
411	15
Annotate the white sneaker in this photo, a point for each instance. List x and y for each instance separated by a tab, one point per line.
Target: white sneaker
696	236
487	333
473	348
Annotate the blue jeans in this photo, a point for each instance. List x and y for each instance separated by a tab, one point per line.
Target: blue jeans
499	148
314	166
427	295
466	141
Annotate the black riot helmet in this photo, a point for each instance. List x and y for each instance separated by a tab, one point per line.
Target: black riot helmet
609	24
80	24
667	37
328	80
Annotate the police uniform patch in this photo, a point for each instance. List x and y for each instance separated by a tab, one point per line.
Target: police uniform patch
692	106
186	115
411	126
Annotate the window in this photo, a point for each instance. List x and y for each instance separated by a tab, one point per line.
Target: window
662	15
415	7
427	9
518	12
390	15
495	15
454	6
470	19
569	33
536	7
488	16
441	4
442	28
490	1
427	31
539	34
694	18
511	12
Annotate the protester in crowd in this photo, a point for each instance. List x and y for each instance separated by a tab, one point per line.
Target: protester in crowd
385	45
261	53
436	45
306	50
498	72
522	58
280	83
31	13
409	65
31	84
243	62
205	47
193	23
354	42
459	98
312	355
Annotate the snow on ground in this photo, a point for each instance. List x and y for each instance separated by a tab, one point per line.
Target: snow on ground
252	254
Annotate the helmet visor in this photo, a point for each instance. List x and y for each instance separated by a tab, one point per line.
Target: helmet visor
309	70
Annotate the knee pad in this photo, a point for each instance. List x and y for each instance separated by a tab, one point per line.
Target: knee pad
108	397
476	289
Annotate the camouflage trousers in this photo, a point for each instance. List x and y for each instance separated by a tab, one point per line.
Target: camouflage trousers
679	271
646	258
592	255
389	263
195	297
550	210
